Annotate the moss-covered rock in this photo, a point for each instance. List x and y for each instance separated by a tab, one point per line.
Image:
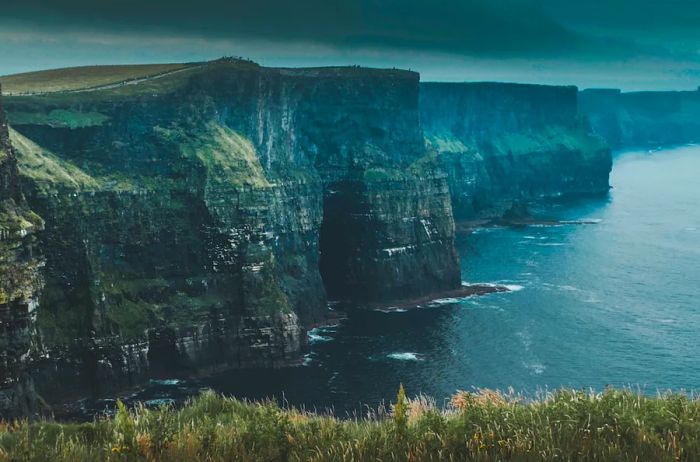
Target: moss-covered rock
20	283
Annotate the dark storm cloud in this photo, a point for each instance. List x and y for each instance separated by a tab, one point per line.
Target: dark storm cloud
467	27
625	43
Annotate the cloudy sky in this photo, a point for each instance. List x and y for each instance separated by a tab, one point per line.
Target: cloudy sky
629	44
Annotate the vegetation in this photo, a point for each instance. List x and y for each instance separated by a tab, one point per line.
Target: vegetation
79	86
47	171
230	158
59	118
617	425
76	78
550	138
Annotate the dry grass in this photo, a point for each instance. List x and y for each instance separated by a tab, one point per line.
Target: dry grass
486	425
77	78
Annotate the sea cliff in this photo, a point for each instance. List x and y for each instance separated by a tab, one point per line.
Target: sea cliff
20	285
647	119
506	143
199	219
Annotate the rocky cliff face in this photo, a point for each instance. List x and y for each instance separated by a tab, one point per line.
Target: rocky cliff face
193	219
643	119
501	143
20	282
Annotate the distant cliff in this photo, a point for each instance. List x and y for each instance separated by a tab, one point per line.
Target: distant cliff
643	119
198	218
502	143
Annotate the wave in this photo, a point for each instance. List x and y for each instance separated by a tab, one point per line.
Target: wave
445	301
510	287
406	356
391	309
535	367
308	359
315	334
314	338
166	382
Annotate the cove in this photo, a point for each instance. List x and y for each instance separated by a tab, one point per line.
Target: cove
609	303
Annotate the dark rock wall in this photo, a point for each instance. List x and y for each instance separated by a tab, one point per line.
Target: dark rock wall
183	223
20	283
643	119
501	143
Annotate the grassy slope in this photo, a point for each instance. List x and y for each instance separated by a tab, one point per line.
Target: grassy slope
567	425
47	171
75	78
523	143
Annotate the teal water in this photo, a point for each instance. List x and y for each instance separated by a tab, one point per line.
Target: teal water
611	303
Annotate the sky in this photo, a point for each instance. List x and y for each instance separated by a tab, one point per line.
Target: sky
628	44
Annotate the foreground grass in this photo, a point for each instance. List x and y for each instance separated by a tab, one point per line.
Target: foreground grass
486	425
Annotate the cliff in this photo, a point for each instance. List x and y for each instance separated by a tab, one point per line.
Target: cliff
643	119
501	143
20	283
195	218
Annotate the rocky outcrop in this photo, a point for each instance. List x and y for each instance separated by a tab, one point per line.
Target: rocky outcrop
503	143
194	220
20	282
643	119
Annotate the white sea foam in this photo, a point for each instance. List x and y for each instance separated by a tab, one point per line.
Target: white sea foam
445	301
545	225
315	334
166	382
510	287
308	359
585	221
315	338
535	367
391	309
405	356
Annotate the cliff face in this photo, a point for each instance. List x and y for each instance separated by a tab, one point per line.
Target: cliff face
192	219
20	283
643	119
501	143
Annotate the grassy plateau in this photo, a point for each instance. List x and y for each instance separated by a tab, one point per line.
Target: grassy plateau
77	78
615	425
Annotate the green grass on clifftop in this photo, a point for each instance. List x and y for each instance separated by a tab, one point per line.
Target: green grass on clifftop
617	425
76	78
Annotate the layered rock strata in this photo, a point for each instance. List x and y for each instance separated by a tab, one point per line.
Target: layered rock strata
643	119
504	143
194	220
